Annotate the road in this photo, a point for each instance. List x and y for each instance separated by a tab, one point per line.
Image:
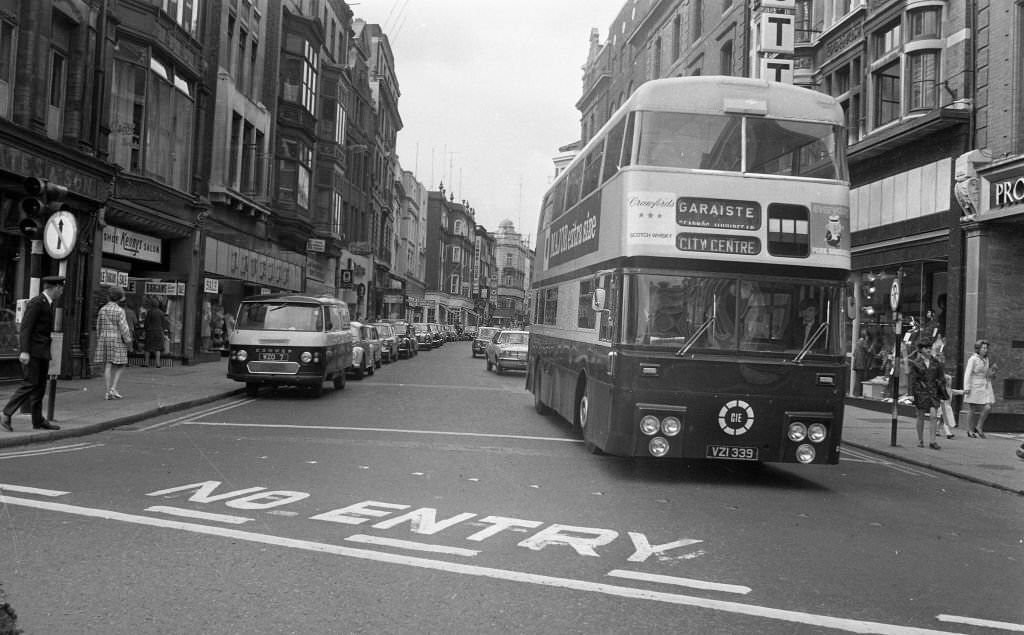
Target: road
431	498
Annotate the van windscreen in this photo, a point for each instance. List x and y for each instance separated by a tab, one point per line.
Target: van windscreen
280	316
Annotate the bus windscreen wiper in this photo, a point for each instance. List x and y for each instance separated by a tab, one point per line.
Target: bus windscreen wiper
708	323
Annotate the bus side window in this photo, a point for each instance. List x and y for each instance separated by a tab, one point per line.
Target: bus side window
318	319
613	152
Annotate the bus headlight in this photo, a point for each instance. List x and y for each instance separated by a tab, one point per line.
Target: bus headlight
805	453
817	432
306	357
797	432
650	425
658	446
241	355
670	426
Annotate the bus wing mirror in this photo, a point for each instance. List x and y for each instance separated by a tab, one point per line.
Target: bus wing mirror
597	302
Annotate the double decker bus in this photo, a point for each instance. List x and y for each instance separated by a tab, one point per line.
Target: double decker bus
691	272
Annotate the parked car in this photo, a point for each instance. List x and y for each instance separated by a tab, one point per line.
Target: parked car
484	335
362	356
372	338
437	334
507	351
470	332
424	340
388	342
405	336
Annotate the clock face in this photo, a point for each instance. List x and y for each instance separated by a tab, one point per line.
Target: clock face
60	234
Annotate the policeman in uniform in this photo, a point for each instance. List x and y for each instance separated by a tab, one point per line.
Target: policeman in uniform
36	326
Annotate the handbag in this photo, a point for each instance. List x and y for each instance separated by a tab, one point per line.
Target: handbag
167	344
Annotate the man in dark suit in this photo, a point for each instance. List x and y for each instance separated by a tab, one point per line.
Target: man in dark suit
802	330
36	326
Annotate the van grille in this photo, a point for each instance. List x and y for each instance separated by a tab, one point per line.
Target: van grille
280	368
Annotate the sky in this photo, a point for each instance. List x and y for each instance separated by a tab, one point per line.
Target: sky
488	94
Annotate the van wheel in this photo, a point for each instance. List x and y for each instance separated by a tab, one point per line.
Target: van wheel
358	372
252	389
339	380
318	389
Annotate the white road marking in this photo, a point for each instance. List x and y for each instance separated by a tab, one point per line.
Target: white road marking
412	545
202	413
688	582
395	430
972	621
198	515
23	489
17	454
798	617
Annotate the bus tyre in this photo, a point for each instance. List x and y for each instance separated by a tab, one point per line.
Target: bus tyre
582	417
538	403
252	389
339	380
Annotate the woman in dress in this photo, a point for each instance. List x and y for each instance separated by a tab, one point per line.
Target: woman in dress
114	337
978	393
156	327
928	385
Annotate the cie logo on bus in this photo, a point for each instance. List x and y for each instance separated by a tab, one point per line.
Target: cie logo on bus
736	417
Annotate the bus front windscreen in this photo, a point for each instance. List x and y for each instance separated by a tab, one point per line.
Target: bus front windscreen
717	142
724	313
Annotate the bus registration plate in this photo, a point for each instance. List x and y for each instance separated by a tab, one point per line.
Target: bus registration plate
731	452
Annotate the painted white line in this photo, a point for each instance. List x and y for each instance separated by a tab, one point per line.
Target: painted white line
409	544
226	424
191	513
23	489
201	413
48	450
391	385
972	621
898	467
687	582
798	617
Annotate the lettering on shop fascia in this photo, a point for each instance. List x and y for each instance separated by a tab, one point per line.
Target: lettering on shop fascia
424	521
1008	192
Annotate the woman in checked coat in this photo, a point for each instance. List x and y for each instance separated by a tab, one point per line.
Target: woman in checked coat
114	337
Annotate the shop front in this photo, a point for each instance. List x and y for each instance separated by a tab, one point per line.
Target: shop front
994	286
232	273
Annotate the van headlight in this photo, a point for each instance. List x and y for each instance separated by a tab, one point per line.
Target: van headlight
241	355
306	357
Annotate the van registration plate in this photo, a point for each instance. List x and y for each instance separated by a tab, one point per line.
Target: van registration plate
731	452
273	357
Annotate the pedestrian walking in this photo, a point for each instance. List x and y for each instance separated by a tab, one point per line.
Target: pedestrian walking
133	323
861	362
928	386
978	393
114	336
157	329
34	345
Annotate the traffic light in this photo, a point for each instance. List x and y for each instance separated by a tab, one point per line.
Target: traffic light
41	198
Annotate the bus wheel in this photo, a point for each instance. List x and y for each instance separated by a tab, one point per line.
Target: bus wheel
339	380
252	389
538	402
582	419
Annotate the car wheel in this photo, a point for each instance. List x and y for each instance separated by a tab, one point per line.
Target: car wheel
339	381
252	389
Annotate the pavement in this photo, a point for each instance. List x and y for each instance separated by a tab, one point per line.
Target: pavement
80	409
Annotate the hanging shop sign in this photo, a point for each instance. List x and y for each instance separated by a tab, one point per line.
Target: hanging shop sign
114	277
160	287
124	242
